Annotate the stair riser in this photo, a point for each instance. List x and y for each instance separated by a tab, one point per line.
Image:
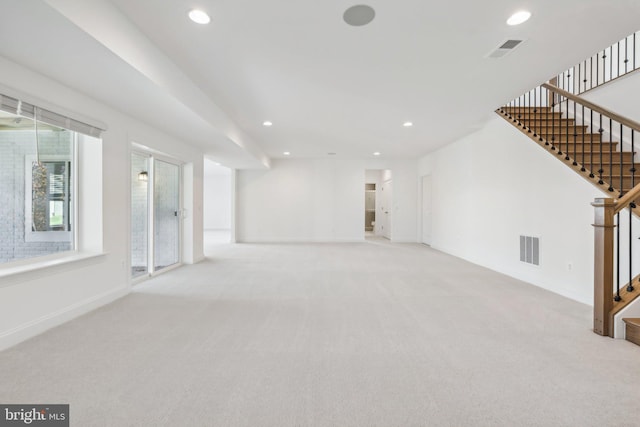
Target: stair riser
525	108
579	148
564	137
549	124
605	168
557	117
632	333
556	128
626	168
626	157
587	148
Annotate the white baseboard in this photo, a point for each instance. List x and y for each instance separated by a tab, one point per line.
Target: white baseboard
37	326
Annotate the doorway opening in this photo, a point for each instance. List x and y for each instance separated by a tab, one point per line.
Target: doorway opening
378	203
156	214
426	209
369	208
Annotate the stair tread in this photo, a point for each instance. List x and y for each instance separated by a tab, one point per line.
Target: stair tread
632	321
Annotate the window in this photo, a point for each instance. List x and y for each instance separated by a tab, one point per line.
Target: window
38	181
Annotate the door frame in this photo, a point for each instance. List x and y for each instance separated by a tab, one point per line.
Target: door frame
151	158
388	215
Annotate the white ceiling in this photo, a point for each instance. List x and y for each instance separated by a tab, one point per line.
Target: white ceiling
326	86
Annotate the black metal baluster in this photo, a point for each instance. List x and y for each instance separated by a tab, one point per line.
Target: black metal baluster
575	136
632	205
633	162
600	170
591	175
610	155
626	55
584	80
546	117
634	51
617	297
566	129
560	125
579	79
591	73
610	62
582	168
618	59
630	283
527	111
535	114
553	121
621	168
597	69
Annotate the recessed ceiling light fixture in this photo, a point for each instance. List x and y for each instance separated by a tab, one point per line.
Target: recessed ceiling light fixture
407	124
519	17
199	17
359	15
287	153
377	153
267	123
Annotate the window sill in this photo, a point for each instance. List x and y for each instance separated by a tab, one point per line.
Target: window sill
20	271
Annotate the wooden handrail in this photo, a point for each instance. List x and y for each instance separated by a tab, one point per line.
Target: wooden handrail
626	200
617	117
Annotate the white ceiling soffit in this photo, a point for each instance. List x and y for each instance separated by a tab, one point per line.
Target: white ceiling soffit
115	59
325	85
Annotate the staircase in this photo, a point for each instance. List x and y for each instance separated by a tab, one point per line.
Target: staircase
605	164
600	146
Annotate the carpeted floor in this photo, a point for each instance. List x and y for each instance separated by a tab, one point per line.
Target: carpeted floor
369	334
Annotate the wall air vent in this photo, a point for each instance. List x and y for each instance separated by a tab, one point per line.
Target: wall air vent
504	48
530	250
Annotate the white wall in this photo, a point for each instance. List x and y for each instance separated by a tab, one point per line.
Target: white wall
33	302
217	196
496	184
301	200
614	96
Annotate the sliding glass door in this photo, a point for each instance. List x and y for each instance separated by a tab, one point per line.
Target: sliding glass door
166	214
155	214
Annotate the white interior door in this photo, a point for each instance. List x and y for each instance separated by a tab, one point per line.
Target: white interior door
385	208
426	210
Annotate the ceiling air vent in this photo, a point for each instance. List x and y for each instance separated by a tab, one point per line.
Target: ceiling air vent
504	48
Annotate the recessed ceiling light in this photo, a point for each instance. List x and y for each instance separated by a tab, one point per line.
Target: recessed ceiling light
377	153
407	124
519	17
359	15
199	17
287	153
267	123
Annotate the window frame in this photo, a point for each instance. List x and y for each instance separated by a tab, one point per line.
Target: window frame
70	236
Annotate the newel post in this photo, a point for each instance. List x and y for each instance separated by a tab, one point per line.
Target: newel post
603	266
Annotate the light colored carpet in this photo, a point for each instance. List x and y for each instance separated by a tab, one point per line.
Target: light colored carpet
369	334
